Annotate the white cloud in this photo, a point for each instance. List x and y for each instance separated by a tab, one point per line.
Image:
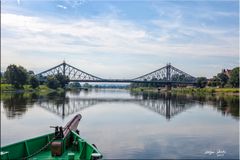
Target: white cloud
33	39
61	6
18	2
226	14
74	3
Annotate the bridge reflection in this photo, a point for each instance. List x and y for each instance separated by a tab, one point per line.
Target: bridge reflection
166	106
67	107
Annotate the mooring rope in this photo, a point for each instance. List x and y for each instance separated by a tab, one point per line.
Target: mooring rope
44	147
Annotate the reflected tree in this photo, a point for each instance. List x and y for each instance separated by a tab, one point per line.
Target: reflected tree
227	105
15	105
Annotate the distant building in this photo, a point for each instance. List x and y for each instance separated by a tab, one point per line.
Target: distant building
227	72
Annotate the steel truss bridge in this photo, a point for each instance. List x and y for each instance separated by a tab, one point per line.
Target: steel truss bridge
166	75
68	106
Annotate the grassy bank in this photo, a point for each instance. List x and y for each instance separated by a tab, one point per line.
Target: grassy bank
28	88
234	91
144	89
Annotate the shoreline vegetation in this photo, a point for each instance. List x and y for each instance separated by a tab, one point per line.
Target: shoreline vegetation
41	89
17	79
207	90
6	88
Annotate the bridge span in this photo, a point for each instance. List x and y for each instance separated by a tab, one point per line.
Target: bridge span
167	75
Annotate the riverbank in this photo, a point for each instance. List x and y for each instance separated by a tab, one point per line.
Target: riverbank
43	89
224	91
227	91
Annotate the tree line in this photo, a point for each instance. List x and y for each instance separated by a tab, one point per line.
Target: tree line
220	80
19	76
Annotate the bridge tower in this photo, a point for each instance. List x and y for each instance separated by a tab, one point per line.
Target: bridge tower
168	76
168	68
64	68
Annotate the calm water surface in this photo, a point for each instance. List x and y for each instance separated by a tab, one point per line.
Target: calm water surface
130	125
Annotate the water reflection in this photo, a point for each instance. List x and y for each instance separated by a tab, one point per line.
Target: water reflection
15	105
164	104
167	105
131	124
65	104
228	105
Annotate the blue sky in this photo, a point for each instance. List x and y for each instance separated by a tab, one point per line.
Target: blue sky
121	39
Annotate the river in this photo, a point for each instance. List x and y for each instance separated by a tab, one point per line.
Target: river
124	124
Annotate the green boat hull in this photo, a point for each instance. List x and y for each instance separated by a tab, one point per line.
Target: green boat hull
73	147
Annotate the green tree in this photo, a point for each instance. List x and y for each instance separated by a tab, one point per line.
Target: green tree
234	77
209	83
215	81
223	79
16	75
201	82
153	84
33	82
3	80
63	80
74	85
31	73
87	85
52	82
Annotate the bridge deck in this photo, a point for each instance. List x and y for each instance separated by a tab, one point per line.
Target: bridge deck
132	81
